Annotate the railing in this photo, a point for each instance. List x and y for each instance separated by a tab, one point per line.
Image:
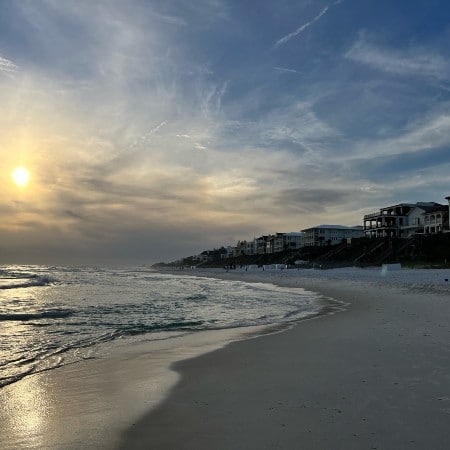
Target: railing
380	226
372	215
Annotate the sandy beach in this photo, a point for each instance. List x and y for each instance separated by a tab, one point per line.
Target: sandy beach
373	377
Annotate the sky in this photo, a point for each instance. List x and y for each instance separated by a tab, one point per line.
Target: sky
155	129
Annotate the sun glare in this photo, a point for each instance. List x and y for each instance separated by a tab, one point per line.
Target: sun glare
21	176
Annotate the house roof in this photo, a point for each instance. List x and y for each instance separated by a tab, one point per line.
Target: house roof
334	227
426	206
439	208
430	207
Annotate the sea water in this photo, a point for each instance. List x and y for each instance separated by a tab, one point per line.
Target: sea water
53	316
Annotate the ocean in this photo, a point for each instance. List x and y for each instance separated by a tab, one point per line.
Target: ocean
53	316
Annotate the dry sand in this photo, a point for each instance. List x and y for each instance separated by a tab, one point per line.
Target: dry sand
376	376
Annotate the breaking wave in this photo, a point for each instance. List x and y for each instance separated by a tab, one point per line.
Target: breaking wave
25	282
50	314
85	312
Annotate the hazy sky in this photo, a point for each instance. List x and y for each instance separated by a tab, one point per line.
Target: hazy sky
154	129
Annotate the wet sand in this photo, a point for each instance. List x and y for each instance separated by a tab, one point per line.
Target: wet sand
89	404
376	376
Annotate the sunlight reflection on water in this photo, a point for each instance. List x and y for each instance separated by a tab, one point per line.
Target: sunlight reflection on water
24	414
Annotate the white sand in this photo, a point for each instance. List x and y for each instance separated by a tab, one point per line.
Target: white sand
376	376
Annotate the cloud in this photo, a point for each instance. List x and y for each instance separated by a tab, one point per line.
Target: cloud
146	136
414	61
310	199
174	20
297	123
285	69
425	134
211	98
7	67
288	37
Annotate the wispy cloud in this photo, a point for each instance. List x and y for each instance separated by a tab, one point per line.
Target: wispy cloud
169	19
285	70
7	66
410	62
153	123
211	100
297	123
288	37
429	134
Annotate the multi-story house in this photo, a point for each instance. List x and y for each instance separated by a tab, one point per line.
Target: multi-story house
270	244
240	249
260	245
402	220
436	220
447	228
288	241
284	241
330	234
230	251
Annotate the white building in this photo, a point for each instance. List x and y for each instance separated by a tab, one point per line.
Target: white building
260	245
436	220
280	242
330	234
287	241
402	220
447	228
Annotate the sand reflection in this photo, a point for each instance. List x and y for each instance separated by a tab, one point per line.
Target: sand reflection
25	408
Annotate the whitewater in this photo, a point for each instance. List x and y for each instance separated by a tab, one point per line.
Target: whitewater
54	316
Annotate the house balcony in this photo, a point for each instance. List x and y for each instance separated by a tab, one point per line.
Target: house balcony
380	225
372	215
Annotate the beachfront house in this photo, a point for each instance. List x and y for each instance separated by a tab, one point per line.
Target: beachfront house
436	220
288	241
447	228
330	234
210	255
284	241
270	243
260	245
243	248
402	220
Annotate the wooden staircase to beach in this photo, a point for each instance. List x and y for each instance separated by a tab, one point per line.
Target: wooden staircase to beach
333	253
395	251
370	252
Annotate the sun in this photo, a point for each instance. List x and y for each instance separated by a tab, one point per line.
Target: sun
21	176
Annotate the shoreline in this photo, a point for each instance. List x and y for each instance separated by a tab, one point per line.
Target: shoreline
90	403
229	388
375	376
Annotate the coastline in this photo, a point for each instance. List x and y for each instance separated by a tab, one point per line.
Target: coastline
341	381
375	376
88	404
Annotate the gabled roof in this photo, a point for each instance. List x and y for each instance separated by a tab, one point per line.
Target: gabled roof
440	208
430	206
